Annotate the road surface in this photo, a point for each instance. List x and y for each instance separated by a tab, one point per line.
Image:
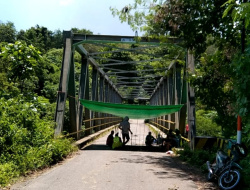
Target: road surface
96	167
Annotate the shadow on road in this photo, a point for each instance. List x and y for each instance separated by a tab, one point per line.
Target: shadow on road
167	163
125	148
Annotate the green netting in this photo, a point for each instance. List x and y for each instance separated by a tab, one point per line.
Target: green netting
132	111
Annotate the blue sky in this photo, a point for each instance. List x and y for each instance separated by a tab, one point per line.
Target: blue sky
93	15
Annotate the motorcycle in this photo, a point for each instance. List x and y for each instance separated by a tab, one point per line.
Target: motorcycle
226	167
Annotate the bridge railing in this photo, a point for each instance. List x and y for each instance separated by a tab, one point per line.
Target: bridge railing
107	122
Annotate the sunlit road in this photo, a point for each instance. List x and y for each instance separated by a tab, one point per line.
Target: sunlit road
98	168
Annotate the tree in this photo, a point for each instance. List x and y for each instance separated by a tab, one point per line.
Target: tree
206	125
239	11
40	37
213	88
81	31
189	20
7	32
57	39
20	63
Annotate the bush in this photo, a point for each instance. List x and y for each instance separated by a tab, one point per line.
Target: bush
27	139
205	124
8	171
197	157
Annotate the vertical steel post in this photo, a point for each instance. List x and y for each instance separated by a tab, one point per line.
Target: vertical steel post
106	99
94	93
183	111
101	98
71	96
191	103
177	93
162	101
82	90
87	111
63	84
171	95
166	98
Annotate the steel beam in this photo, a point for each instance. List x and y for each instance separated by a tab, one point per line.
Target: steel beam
63	84
94	92
82	89
191	103
71	96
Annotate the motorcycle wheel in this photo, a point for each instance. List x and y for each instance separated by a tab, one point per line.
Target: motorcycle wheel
229	180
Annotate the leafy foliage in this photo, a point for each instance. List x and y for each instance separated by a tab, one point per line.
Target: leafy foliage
197	158
213	87
189	20
239	11
27	138
26	118
7	32
205	124
21	62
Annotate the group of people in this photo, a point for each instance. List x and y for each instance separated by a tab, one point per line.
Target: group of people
172	140
116	142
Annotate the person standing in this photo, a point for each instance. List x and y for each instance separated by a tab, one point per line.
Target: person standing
125	127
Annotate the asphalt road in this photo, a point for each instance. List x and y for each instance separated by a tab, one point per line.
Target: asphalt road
96	167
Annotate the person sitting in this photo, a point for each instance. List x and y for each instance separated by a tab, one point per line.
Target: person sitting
110	139
159	139
177	137
169	142
117	142
149	139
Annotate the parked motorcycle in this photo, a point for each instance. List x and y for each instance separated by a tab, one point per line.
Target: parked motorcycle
226	167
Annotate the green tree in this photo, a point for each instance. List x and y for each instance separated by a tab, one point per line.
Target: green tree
57	39
206	125
239	11
81	31
40	37
213	87
7	32
189	20
19	63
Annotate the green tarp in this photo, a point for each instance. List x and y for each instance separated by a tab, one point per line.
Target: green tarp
132	111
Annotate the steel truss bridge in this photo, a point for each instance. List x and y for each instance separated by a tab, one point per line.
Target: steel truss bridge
108	75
